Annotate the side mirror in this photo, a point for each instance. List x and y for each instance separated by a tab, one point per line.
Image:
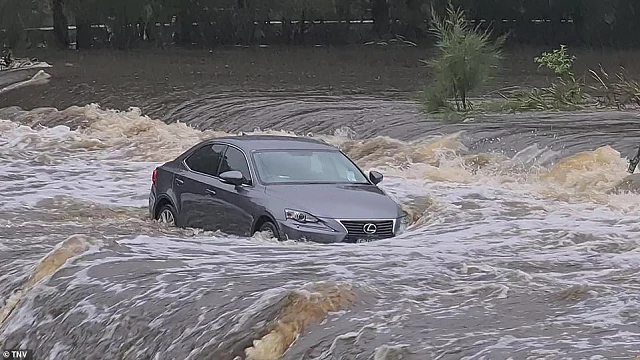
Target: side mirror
232	177
375	177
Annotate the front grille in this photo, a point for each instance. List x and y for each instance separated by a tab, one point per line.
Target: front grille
356	229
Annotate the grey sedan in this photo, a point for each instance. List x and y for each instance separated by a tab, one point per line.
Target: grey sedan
287	187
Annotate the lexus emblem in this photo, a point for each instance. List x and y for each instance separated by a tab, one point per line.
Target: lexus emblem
370	228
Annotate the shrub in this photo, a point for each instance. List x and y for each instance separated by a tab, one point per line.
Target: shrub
559	61
565	93
467	59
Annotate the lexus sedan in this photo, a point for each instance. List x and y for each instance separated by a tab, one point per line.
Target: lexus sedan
290	188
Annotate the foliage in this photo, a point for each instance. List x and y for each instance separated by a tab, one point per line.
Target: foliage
558	60
16	15
618	93
565	93
467	59
595	22
433	99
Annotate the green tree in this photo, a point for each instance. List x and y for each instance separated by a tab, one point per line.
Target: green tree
467	59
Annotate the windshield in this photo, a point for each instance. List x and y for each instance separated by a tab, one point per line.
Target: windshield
306	166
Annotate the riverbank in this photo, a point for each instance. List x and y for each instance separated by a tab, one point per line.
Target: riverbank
157	81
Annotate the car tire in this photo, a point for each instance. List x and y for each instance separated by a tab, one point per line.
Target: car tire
167	215
269	228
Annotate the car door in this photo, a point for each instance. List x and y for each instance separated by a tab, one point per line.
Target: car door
193	184
237	200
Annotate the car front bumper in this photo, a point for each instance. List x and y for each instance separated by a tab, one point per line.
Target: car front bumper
293	231
330	233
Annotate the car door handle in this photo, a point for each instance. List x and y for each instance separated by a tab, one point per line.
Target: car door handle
210	191
179	182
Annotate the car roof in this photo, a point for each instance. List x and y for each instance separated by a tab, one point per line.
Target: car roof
272	142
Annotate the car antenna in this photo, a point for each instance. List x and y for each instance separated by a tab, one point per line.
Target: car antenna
633	163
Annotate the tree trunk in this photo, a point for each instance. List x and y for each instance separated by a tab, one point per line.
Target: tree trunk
123	35
185	19
286	31
380	14
83	33
60	24
303	27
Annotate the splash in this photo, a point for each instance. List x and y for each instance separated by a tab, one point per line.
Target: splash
40	78
418	209
129	135
302	308
432	152
54	260
385	151
588	176
489	232
630	184
589	170
65	208
578	292
90	128
22	63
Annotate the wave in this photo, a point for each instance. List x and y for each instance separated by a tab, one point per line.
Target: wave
596	175
82	170
66	250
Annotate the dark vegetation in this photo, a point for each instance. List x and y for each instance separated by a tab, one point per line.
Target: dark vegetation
468	36
210	23
468	57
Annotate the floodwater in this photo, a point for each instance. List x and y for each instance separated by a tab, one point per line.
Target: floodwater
519	248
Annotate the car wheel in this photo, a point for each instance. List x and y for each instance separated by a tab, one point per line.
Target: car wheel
167	215
269	229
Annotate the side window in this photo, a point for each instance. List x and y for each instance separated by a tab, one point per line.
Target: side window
206	159
234	160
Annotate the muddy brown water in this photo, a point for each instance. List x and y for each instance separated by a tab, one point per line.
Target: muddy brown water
519	247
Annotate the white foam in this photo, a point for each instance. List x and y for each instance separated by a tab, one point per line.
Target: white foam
490	238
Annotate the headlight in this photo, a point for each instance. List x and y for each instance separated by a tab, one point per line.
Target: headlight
404	224
300	216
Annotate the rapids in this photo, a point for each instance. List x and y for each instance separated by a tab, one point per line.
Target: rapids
524	244
20	73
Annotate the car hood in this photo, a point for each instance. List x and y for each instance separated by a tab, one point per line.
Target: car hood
338	201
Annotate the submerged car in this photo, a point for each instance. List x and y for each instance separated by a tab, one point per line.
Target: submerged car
290	188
